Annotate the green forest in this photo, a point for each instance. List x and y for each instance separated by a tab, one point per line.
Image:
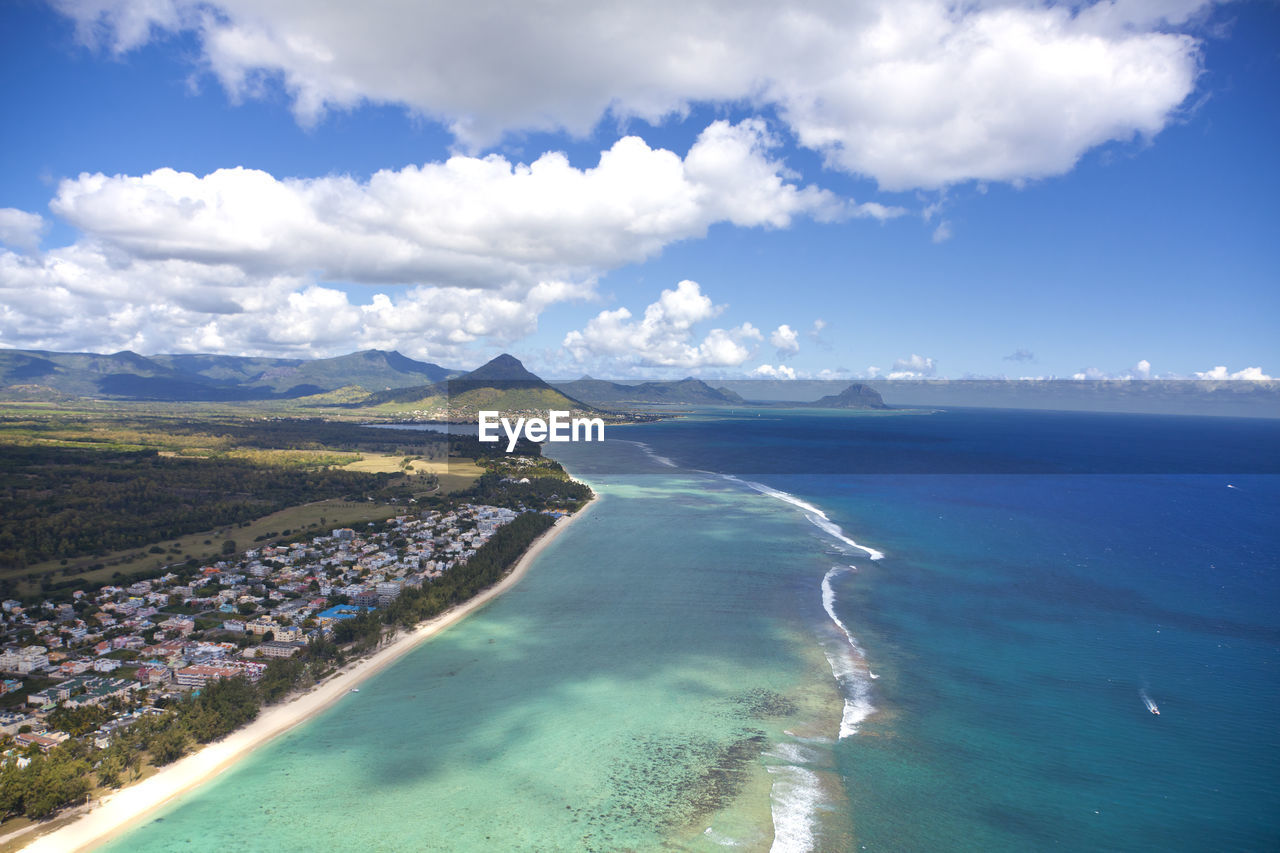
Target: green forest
80	485
68	502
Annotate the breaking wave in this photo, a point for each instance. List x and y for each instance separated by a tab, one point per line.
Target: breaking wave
651	453
848	664
816	516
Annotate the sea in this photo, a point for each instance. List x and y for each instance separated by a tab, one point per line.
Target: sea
802	630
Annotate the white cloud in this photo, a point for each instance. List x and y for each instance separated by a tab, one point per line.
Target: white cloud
20	229
786	339
1021	354
942	233
1220	372
768	371
471	222
664	336
915	367
82	297
482	245
1141	370
913	93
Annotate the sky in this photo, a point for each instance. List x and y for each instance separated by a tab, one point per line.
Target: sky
725	188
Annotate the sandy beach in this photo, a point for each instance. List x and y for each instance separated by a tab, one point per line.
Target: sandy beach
128	806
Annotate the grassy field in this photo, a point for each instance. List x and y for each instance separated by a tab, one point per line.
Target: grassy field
455	474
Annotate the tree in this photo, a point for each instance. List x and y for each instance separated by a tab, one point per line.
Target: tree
169	746
229	546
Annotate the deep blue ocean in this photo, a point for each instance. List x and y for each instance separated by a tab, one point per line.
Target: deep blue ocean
829	631
1019	622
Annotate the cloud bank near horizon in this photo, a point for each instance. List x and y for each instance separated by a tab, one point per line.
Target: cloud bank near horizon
243	261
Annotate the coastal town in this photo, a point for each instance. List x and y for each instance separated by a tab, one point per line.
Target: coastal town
115	655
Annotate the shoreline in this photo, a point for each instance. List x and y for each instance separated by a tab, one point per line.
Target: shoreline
126	807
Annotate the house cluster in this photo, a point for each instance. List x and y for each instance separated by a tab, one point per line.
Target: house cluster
123	647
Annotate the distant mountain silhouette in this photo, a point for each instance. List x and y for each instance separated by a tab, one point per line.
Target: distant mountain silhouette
687	391
856	396
501	384
203	377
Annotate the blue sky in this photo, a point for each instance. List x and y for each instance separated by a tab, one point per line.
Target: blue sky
1009	189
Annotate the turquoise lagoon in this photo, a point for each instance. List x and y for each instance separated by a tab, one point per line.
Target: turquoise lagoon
711	658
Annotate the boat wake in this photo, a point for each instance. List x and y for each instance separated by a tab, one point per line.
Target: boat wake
816	516
1147	700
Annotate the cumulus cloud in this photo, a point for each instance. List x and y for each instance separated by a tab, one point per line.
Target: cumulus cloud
915	367
83	298
768	371
913	93
480	247
1141	370
786	339
20	229
1254	374
478	222
664	336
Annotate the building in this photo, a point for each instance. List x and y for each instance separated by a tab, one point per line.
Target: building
337	612
11	721
25	660
201	674
181	625
45	741
261	626
277	649
387	591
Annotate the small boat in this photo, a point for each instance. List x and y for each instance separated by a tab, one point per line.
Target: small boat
357	690
1153	709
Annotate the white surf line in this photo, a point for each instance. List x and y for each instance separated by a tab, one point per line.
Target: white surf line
796	797
849	666
650	452
816	516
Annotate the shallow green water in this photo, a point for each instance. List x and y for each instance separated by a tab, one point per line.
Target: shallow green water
629	693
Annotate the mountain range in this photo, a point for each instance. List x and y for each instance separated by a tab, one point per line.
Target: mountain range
38	374
373	381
